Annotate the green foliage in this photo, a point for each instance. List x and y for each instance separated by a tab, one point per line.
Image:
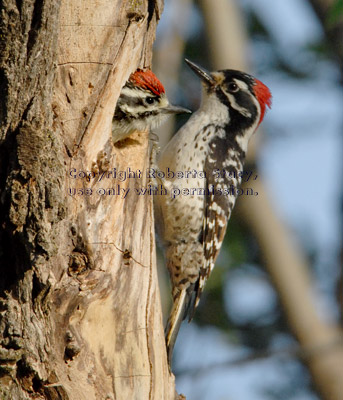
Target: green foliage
211	309
335	13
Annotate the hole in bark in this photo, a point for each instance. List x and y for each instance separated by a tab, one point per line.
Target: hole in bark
36	24
27	109
71	351
78	264
135	16
3	372
4	91
90	88
37	287
36	384
13	260
25	375
151	10
18	3
70	79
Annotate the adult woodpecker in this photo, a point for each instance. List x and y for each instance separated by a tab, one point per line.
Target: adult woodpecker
142	105
191	221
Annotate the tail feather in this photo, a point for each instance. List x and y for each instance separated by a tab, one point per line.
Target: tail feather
177	315
193	301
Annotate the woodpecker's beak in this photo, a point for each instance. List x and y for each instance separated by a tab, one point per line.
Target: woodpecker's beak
204	75
170	109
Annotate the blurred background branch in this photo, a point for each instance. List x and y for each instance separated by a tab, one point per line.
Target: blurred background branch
330	14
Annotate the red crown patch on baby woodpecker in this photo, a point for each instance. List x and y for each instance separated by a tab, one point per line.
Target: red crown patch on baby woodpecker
147	80
263	96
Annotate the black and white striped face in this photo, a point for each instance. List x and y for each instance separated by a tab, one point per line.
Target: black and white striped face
142	105
245	97
234	89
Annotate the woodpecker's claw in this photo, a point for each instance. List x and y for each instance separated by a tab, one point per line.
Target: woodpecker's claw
202	72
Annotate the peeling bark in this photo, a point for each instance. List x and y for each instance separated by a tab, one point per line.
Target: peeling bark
80	314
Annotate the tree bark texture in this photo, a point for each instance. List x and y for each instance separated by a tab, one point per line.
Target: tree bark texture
80	314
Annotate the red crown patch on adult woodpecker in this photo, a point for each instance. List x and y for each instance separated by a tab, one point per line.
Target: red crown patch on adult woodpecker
263	96
142	105
192	228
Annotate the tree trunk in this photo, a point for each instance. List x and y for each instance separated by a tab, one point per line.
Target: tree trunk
80	314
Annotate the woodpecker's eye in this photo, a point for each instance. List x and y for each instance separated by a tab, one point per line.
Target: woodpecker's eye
233	87
150	100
